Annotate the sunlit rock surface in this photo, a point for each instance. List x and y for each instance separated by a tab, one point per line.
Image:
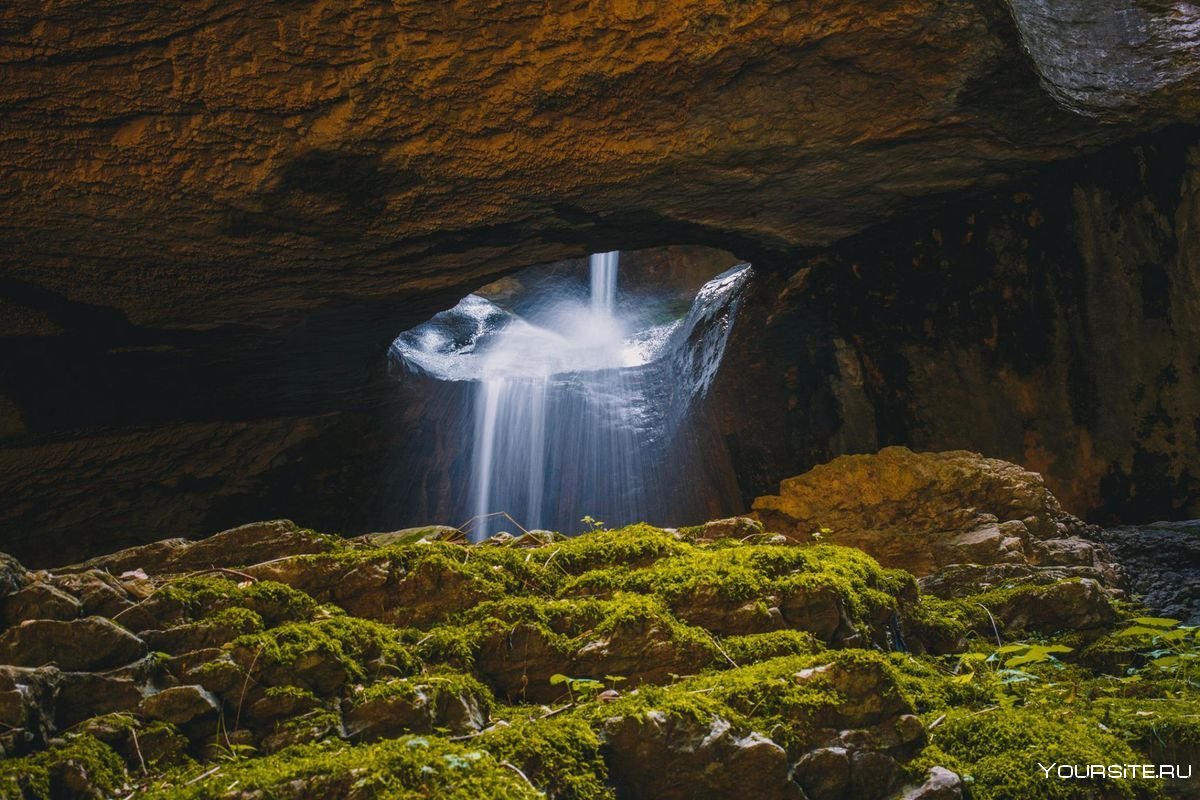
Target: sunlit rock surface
923	512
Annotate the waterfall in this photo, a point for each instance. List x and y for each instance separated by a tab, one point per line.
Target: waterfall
603	268
577	401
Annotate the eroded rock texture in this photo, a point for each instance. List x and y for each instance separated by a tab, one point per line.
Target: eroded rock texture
215	216
925	511
1054	324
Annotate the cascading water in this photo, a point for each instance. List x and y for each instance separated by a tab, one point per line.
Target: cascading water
577	402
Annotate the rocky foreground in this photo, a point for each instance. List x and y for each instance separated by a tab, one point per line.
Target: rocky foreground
756	658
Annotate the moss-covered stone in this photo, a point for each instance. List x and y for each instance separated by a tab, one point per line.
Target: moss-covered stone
81	767
343	674
561	755
522	642
323	655
439	700
997	751
205	596
409	768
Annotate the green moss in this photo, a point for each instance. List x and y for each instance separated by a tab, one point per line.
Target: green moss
934	620
494	571
360	647
314	725
566	623
1165	723
242	620
201	597
561	755
998	752
762	646
933	687
33	777
292	692
1113	654
409	768
632	546
431	684
786	698
745	572
680	700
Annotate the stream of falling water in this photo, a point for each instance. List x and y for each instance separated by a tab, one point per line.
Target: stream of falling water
589	415
576	402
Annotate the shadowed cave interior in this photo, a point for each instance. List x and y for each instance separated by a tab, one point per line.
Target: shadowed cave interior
606	402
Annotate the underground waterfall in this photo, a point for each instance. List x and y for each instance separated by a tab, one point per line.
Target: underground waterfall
577	398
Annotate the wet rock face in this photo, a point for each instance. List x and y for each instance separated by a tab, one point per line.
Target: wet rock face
1135	53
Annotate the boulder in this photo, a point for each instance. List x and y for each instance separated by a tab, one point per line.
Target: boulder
39	601
923	511
672	757
91	643
154	745
246	544
729	528
1079	605
378	589
709	608
940	784
180	705
420	709
26	707
100	593
823	773
84	694
13	576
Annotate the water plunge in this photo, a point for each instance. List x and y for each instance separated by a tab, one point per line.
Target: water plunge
578	405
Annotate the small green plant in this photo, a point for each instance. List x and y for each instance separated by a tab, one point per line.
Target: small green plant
593	523
1012	664
1175	650
229	751
578	689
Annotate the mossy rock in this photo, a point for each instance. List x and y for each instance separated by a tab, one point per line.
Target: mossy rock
560	755
201	598
81	767
323	655
517	645
440	700
409	768
997	752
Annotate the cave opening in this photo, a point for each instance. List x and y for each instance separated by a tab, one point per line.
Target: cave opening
570	395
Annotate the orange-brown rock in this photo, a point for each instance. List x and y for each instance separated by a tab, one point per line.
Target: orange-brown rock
924	511
241	163
217	215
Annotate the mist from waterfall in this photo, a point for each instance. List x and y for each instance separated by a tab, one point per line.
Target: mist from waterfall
577	400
